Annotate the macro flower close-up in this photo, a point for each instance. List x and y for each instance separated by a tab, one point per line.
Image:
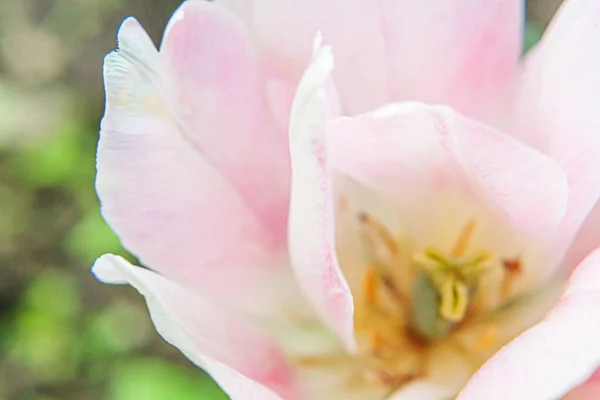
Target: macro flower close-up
362	200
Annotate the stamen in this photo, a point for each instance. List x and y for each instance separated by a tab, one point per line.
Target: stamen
391	323
393	289
324	360
380	243
370	287
382	252
512	269
460	246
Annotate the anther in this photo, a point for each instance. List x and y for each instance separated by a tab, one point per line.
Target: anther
512	269
370	287
512	265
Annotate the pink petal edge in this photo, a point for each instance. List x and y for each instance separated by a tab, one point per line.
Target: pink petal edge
557	107
211	336
165	199
311	225
402	147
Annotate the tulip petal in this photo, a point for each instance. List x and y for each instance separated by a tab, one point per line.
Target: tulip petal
236	385
212	78
172	205
204	331
554	356
460	53
557	108
410	147
463	53
590	390
422	390
311	224
587	239
286	30
424	171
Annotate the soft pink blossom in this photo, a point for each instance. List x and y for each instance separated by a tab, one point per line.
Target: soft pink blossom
288	209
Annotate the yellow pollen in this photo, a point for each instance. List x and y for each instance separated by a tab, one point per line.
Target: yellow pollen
488	339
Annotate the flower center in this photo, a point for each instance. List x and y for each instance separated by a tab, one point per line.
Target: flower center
444	287
411	302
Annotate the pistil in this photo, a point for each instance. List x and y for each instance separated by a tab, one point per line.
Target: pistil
397	328
454	278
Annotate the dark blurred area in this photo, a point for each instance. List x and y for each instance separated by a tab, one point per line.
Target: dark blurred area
63	335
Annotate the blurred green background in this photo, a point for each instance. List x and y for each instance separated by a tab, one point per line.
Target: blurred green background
63	335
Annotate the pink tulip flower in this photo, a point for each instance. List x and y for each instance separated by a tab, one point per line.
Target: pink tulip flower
409	224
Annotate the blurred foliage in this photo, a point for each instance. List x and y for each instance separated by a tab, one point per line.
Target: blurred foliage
62	334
